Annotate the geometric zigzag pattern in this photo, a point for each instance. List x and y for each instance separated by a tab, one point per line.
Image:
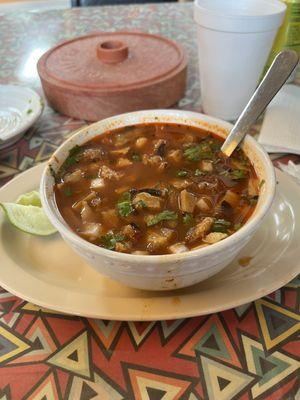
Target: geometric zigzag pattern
237	354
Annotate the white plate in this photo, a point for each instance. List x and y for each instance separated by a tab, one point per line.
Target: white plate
47	272
20	107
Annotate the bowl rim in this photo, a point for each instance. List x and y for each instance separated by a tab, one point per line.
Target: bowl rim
243	232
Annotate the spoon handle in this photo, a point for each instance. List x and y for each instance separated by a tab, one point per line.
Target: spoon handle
281	68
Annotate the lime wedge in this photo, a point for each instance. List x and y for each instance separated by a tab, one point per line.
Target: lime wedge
30	199
27	214
29	219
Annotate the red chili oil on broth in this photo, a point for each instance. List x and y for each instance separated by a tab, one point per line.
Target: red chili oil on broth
155	189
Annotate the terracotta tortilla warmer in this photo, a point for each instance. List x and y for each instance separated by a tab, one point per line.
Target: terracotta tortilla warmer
104	74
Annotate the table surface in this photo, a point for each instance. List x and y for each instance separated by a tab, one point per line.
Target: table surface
245	353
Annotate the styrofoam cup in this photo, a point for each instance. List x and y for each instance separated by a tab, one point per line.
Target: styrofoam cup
234	41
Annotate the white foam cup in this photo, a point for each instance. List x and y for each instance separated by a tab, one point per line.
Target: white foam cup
234	41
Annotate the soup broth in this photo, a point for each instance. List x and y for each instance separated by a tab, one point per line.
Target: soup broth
155	189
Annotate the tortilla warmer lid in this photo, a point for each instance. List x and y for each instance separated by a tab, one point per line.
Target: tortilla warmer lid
117	71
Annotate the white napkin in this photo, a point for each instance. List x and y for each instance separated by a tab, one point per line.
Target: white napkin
280	132
291	169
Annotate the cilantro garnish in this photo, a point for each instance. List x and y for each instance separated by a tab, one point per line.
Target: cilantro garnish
124	205
110	240
163	216
198	152
72	157
198	172
136	157
182	173
141	204
221	225
188	219
237	174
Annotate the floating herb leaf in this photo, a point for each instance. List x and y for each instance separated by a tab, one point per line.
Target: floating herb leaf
188	219
215	145
163	216
72	157
124	205
198	172
136	157
110	240
221	225
141	204
182	173
198	152
29	111
237	174
234	174
70	161
225	172
75	150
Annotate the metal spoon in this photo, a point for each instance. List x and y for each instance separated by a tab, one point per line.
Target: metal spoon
278	73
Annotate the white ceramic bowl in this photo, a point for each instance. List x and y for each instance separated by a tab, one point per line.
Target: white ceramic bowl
171	271
20	108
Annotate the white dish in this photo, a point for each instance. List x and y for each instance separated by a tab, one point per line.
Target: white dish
45	271
168	271
20	107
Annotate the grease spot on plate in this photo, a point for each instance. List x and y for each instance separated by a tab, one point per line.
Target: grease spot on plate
176	300
244	261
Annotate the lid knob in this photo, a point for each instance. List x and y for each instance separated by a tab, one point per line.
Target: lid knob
112	51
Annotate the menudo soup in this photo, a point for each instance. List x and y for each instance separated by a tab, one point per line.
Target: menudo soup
155	189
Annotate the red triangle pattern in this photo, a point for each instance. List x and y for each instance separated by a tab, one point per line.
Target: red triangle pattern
174	388
47	345
214	320
106	333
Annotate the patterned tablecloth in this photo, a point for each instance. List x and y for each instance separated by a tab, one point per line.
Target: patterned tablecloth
245	353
